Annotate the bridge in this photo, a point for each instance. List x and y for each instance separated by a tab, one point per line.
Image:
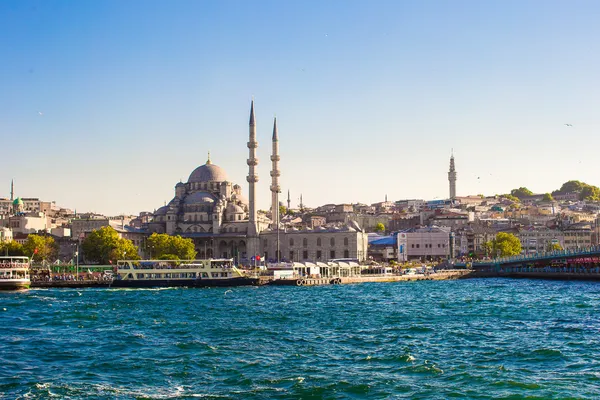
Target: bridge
582	263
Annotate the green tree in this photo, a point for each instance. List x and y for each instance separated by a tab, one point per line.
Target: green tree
380	227
104	245
570	187
521	192
40	248
553	247
511	198
589	192
283	210
548	197
162	245
11	248
506	244
488	248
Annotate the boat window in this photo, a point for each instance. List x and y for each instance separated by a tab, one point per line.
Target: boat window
214	274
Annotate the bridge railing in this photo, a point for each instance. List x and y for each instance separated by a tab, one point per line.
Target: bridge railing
585	251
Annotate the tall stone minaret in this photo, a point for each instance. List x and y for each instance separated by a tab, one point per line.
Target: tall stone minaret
253	241
289	200
275	188
12	189
452	177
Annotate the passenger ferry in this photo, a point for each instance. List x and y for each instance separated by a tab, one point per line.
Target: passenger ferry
14	273
174	273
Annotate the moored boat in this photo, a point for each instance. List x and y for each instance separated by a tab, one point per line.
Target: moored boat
14	273
177	273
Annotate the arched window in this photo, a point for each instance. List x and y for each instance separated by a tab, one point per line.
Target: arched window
319	242
291	242
305	242
332	241
345	241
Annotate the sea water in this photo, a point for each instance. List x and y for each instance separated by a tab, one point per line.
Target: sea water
476	339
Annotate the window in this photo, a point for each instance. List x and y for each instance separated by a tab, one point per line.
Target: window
417	245
291	256
319	242
319	255
305	242
305	254
346	254
412	246
345	241
291	242
332	242
332	254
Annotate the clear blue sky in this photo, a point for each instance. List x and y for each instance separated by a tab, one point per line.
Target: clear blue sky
106	105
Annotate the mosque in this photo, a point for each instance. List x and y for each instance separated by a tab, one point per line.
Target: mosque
212	211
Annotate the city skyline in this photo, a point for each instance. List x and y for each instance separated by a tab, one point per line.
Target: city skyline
108	104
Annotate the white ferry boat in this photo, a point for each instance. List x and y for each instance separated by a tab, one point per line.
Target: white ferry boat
173	273
14	273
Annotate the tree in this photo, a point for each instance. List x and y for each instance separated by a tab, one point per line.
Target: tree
589	192
282	210
521	192
506	244
380	227
11	248
570	187
162	245
548	197
553	247
511	198
104	245
488	247
40	248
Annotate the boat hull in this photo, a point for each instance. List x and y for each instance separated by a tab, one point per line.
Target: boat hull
14	284
161	283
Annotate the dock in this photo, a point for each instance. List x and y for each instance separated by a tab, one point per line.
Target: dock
320	281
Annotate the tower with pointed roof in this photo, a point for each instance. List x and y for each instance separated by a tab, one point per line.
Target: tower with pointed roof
289	201
452	177
253	241
275	173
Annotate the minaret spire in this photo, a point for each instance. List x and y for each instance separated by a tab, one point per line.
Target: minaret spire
452	177
275	173
289	202
252	233
12	189
208	162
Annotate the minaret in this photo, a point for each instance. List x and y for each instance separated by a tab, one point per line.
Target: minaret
253	242
452	178
275	188
12	189
289	200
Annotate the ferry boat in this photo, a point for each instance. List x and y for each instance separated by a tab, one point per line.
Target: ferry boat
176	273
14	273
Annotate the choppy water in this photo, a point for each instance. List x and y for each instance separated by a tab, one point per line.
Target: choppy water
494	338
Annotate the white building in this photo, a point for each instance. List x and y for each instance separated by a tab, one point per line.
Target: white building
425	243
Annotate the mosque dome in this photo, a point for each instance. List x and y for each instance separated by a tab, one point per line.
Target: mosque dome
162	210
18	202
234	209
200	197
207	173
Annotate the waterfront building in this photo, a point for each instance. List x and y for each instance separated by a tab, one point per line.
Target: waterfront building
424	243
320	244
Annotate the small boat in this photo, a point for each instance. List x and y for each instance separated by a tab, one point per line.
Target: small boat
177	273
14	273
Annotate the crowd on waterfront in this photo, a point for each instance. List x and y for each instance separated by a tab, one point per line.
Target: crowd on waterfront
70	277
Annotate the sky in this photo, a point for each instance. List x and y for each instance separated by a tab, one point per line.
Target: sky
106	105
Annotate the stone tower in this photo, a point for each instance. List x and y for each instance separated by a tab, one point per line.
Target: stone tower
253	241
289	200
275	188
452	178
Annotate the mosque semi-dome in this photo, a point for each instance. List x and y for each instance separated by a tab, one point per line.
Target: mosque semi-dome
207	173
18	202
200	197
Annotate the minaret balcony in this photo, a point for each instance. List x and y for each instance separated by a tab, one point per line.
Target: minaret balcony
253	144
252	161
275	173
275	158
252	178
276	188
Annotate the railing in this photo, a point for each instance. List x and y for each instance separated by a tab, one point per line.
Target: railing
581	252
